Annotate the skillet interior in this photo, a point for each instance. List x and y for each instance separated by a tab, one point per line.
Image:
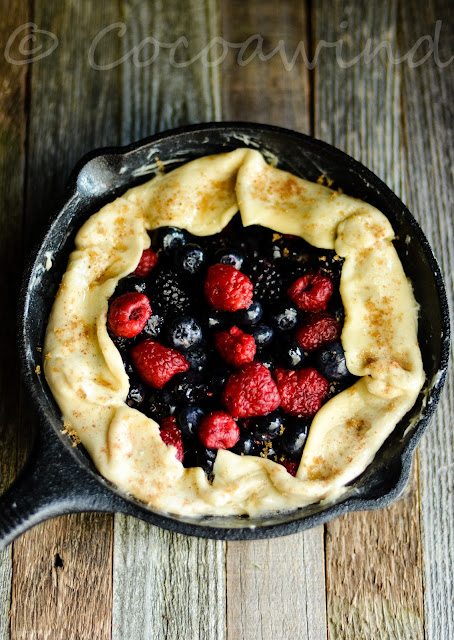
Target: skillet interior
107	173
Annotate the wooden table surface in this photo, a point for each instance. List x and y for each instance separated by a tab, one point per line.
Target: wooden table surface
381	87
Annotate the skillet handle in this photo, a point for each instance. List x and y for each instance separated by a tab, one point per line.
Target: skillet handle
52	483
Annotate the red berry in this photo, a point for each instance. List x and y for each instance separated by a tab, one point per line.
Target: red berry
218	430
227	289
128	314
235	346
311	292
291	466
251	391
156	364
171	435
148	261
321	329
302	392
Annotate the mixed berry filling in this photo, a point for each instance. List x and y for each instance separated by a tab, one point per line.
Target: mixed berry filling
231	341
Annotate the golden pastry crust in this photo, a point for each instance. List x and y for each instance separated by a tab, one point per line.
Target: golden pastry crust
86	374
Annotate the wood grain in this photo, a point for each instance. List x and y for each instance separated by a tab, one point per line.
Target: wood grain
275	588
373	560
427	100
167	585
12	161
72	108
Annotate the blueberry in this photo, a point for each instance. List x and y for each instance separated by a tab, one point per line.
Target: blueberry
282	318
189	418
197	357
294	437
248	317
288	352
189	258
200	456
330	361
262	335
245	445
263	356
130	284
231	256
136	393
266	427
167	239
218	380
215	320
159	404
184	333
188	387
154	325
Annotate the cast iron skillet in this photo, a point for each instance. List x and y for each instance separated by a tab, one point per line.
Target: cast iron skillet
60	478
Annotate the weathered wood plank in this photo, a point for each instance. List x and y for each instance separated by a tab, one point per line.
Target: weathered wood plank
373	560
12	164
427	98
167	585
72	109
275	588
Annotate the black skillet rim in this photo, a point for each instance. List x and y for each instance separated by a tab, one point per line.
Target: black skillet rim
125	503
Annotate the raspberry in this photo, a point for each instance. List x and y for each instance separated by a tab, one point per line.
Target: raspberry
128	314
250	391
302	392
157	364
171	435
321	329
148	261
227	289
218	430
311	292
291	466
235	346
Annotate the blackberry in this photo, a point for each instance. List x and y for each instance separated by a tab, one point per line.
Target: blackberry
267	279
154	326
168	295
130	284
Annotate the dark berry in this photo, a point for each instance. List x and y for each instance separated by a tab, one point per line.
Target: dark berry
267	280
200	456
227	289
154	326
235	347
215	320
136	393
129	284
167	239
218	430
320	329
159	404
265	357
157	364
197	357
251	391
189	387
294	437
123	345
250	316
288	352
148	261
330	361
245	445
311	292
184	333
128	314
262	335
302	392
266	427
218	380
230	256
189	258
282	318
189	418
167	294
